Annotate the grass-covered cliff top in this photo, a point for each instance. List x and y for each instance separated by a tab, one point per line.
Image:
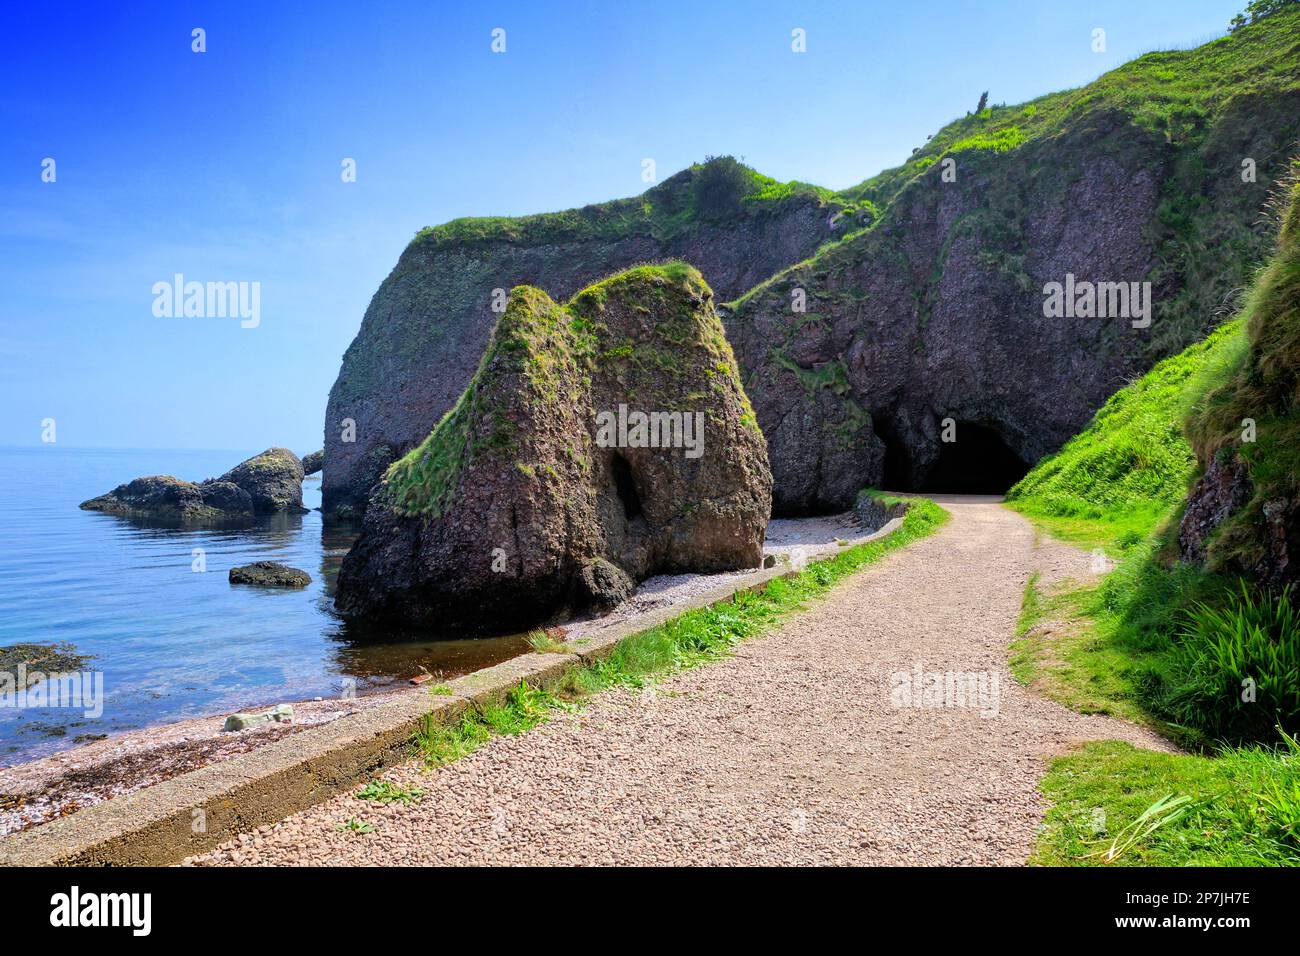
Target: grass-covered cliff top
546	354
717	190
1174	93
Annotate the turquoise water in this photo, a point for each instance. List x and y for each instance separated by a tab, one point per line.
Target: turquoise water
170	642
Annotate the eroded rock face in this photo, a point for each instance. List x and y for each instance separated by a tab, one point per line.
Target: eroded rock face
312	463
268	483
426	328
540	491
937	312
164	498
1223	489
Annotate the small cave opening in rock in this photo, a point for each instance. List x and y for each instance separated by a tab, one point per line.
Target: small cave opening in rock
979	462
897	467
625	485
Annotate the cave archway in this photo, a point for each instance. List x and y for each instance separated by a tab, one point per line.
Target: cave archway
625	485
979	462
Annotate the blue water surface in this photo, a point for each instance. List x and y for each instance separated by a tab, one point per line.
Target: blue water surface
172	642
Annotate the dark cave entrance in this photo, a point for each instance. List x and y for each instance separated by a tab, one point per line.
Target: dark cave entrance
979	462
625	485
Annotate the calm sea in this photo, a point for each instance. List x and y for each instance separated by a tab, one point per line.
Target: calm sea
172	642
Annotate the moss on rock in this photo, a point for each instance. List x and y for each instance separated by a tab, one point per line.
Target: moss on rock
496	518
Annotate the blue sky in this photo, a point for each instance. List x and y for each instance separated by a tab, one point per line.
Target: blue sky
225	165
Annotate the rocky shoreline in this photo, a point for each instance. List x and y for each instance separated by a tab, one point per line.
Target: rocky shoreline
37	791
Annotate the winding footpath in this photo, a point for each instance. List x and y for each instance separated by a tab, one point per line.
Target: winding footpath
790	752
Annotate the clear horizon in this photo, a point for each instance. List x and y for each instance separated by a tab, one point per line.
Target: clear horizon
224	166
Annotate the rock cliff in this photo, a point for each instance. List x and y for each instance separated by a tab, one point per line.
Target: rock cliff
598	443
426	328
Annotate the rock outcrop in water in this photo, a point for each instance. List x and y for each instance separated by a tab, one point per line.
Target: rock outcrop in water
426	328
164	498
599	442
268	483
269	574
312	463
272	479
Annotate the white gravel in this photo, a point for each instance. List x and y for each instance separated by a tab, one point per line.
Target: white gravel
789	752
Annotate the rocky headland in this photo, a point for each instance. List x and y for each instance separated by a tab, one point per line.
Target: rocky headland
427	326
600	442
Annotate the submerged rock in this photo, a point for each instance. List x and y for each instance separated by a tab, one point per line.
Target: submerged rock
599	443
24	665
270	574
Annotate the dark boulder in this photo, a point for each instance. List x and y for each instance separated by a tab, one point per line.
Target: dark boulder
312	463
606	439
164	498
603	585
272	479
270	574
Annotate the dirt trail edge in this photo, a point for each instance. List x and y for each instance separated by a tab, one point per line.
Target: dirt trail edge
793	751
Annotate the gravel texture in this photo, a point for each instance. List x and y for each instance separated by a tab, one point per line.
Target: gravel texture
789	752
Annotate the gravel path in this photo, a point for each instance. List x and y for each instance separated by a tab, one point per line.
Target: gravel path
793	751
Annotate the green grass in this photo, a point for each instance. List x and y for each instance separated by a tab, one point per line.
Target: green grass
1121	485
1114	482
543	643
718	189
1264	389
1240	809
1175	94
1165	642
1060	654
384	791
689	640
1234	672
